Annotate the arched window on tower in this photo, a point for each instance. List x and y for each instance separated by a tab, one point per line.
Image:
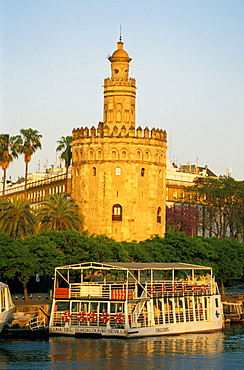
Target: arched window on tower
117	213
143	172
94	171
159	215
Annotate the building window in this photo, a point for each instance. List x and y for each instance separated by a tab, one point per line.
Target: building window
175	194
117	213
159	215
142	172
94	171
138	154
118	171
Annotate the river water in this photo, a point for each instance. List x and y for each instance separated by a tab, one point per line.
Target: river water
220	350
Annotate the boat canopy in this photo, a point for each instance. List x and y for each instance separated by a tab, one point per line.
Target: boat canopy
135	266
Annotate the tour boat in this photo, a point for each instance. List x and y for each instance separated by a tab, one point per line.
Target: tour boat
134	300
6	305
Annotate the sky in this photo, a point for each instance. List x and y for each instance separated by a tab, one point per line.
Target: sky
187	59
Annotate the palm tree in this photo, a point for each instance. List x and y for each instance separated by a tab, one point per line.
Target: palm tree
31	141
59	212
65	147
8	151
17	218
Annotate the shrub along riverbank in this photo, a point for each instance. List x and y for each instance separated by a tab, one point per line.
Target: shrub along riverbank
22	259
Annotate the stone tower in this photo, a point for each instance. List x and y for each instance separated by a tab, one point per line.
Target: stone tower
118	170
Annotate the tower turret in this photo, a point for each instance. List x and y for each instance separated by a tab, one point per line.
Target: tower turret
119	91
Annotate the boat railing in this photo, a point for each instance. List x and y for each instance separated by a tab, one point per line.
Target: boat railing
38	323
181	288
130	291
120	291
88	319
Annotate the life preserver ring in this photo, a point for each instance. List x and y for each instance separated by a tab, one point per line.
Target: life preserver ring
105	317
92	316
174	288
203	288
66	316
152	289
183	288
164	289
193	288
118	318
82	316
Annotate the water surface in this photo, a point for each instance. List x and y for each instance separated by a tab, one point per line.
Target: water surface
220	350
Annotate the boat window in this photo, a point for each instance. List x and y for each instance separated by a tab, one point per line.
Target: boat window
216	302
117	307
62	306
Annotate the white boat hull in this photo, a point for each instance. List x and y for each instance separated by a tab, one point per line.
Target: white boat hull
159	330
5	317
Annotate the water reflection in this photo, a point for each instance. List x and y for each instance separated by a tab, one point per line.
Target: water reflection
220	350
142	353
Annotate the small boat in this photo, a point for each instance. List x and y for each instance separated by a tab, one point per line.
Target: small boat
26	324
233	311
6	305
134	300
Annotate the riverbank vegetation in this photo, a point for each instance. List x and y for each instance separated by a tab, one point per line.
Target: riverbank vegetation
22	259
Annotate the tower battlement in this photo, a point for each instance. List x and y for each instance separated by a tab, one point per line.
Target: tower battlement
105	131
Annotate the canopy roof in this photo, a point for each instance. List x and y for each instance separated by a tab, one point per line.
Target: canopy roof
135	266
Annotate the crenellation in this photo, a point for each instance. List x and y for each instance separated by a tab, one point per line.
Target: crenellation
123	131
115	131
100	129
146	132
93	131
139	132
106	130
86	132
153	133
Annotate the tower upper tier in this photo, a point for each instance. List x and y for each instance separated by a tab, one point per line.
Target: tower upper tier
119	91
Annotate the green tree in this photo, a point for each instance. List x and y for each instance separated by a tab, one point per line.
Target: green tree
46	255
16	261
59	212
30	142
65	147
222	203
17	218
8	151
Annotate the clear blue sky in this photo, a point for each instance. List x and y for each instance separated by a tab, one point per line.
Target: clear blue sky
187	58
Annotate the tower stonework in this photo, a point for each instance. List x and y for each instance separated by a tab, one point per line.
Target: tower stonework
118	170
